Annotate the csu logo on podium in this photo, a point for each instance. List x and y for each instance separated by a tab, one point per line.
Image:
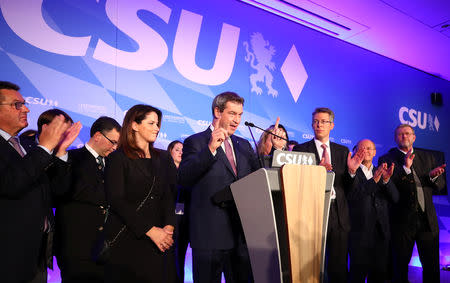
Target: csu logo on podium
281	157
420	119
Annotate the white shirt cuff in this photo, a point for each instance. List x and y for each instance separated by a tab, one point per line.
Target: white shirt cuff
407	170
46	149
65	157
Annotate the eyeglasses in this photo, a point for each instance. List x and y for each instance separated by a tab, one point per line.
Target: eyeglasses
405	134
368	148
18	104
321	122
112	142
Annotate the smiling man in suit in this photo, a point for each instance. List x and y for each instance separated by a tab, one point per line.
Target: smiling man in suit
81	211
370	199
25	188
336	158
414	217
212	160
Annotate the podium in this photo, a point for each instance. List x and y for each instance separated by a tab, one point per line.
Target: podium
284	215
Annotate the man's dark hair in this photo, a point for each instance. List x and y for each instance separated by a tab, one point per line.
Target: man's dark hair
324	110
47	117
221	100
104	124
28	133
7	85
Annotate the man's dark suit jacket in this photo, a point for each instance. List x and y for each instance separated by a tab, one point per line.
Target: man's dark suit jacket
213	226
80	212
342	180
25	189
369	203
404	213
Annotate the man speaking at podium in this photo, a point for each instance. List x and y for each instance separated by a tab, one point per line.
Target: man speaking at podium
335	158
212	160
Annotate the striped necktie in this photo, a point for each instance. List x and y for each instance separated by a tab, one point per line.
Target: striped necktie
15	143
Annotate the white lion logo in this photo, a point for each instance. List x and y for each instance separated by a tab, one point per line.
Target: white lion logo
262	52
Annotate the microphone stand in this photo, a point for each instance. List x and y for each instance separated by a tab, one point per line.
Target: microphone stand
249	124
261	163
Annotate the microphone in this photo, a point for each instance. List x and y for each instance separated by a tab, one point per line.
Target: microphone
250	124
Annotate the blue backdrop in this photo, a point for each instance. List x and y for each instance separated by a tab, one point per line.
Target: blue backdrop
93	58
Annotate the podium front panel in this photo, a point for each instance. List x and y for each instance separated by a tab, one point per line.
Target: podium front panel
304	196
253	199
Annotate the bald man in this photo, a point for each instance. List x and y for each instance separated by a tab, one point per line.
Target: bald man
369	200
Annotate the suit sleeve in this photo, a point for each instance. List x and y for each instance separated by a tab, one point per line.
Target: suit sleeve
400	178
17	177
115	183
171	192
361	186
196	161
391	192
347	179
439	183
297	148
59	174
253	157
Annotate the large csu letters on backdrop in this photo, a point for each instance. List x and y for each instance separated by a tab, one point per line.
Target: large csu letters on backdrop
152	49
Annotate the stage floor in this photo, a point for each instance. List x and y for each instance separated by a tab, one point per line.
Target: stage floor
415	272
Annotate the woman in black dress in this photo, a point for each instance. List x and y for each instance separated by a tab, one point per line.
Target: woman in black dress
140	187
181	235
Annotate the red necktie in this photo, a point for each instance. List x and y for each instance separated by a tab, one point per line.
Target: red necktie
325	155
229	153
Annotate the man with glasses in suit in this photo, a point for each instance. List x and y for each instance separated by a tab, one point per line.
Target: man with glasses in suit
370	199
414	217
25	188
81	211
336	158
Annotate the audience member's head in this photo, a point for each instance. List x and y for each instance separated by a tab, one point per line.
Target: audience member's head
29	133
13	109
105	133
47	117
175	148
227	109
7	86
369	148
405	137
141	124
265	141
322	123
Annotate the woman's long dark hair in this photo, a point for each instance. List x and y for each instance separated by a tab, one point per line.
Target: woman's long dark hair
172	145
127	140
